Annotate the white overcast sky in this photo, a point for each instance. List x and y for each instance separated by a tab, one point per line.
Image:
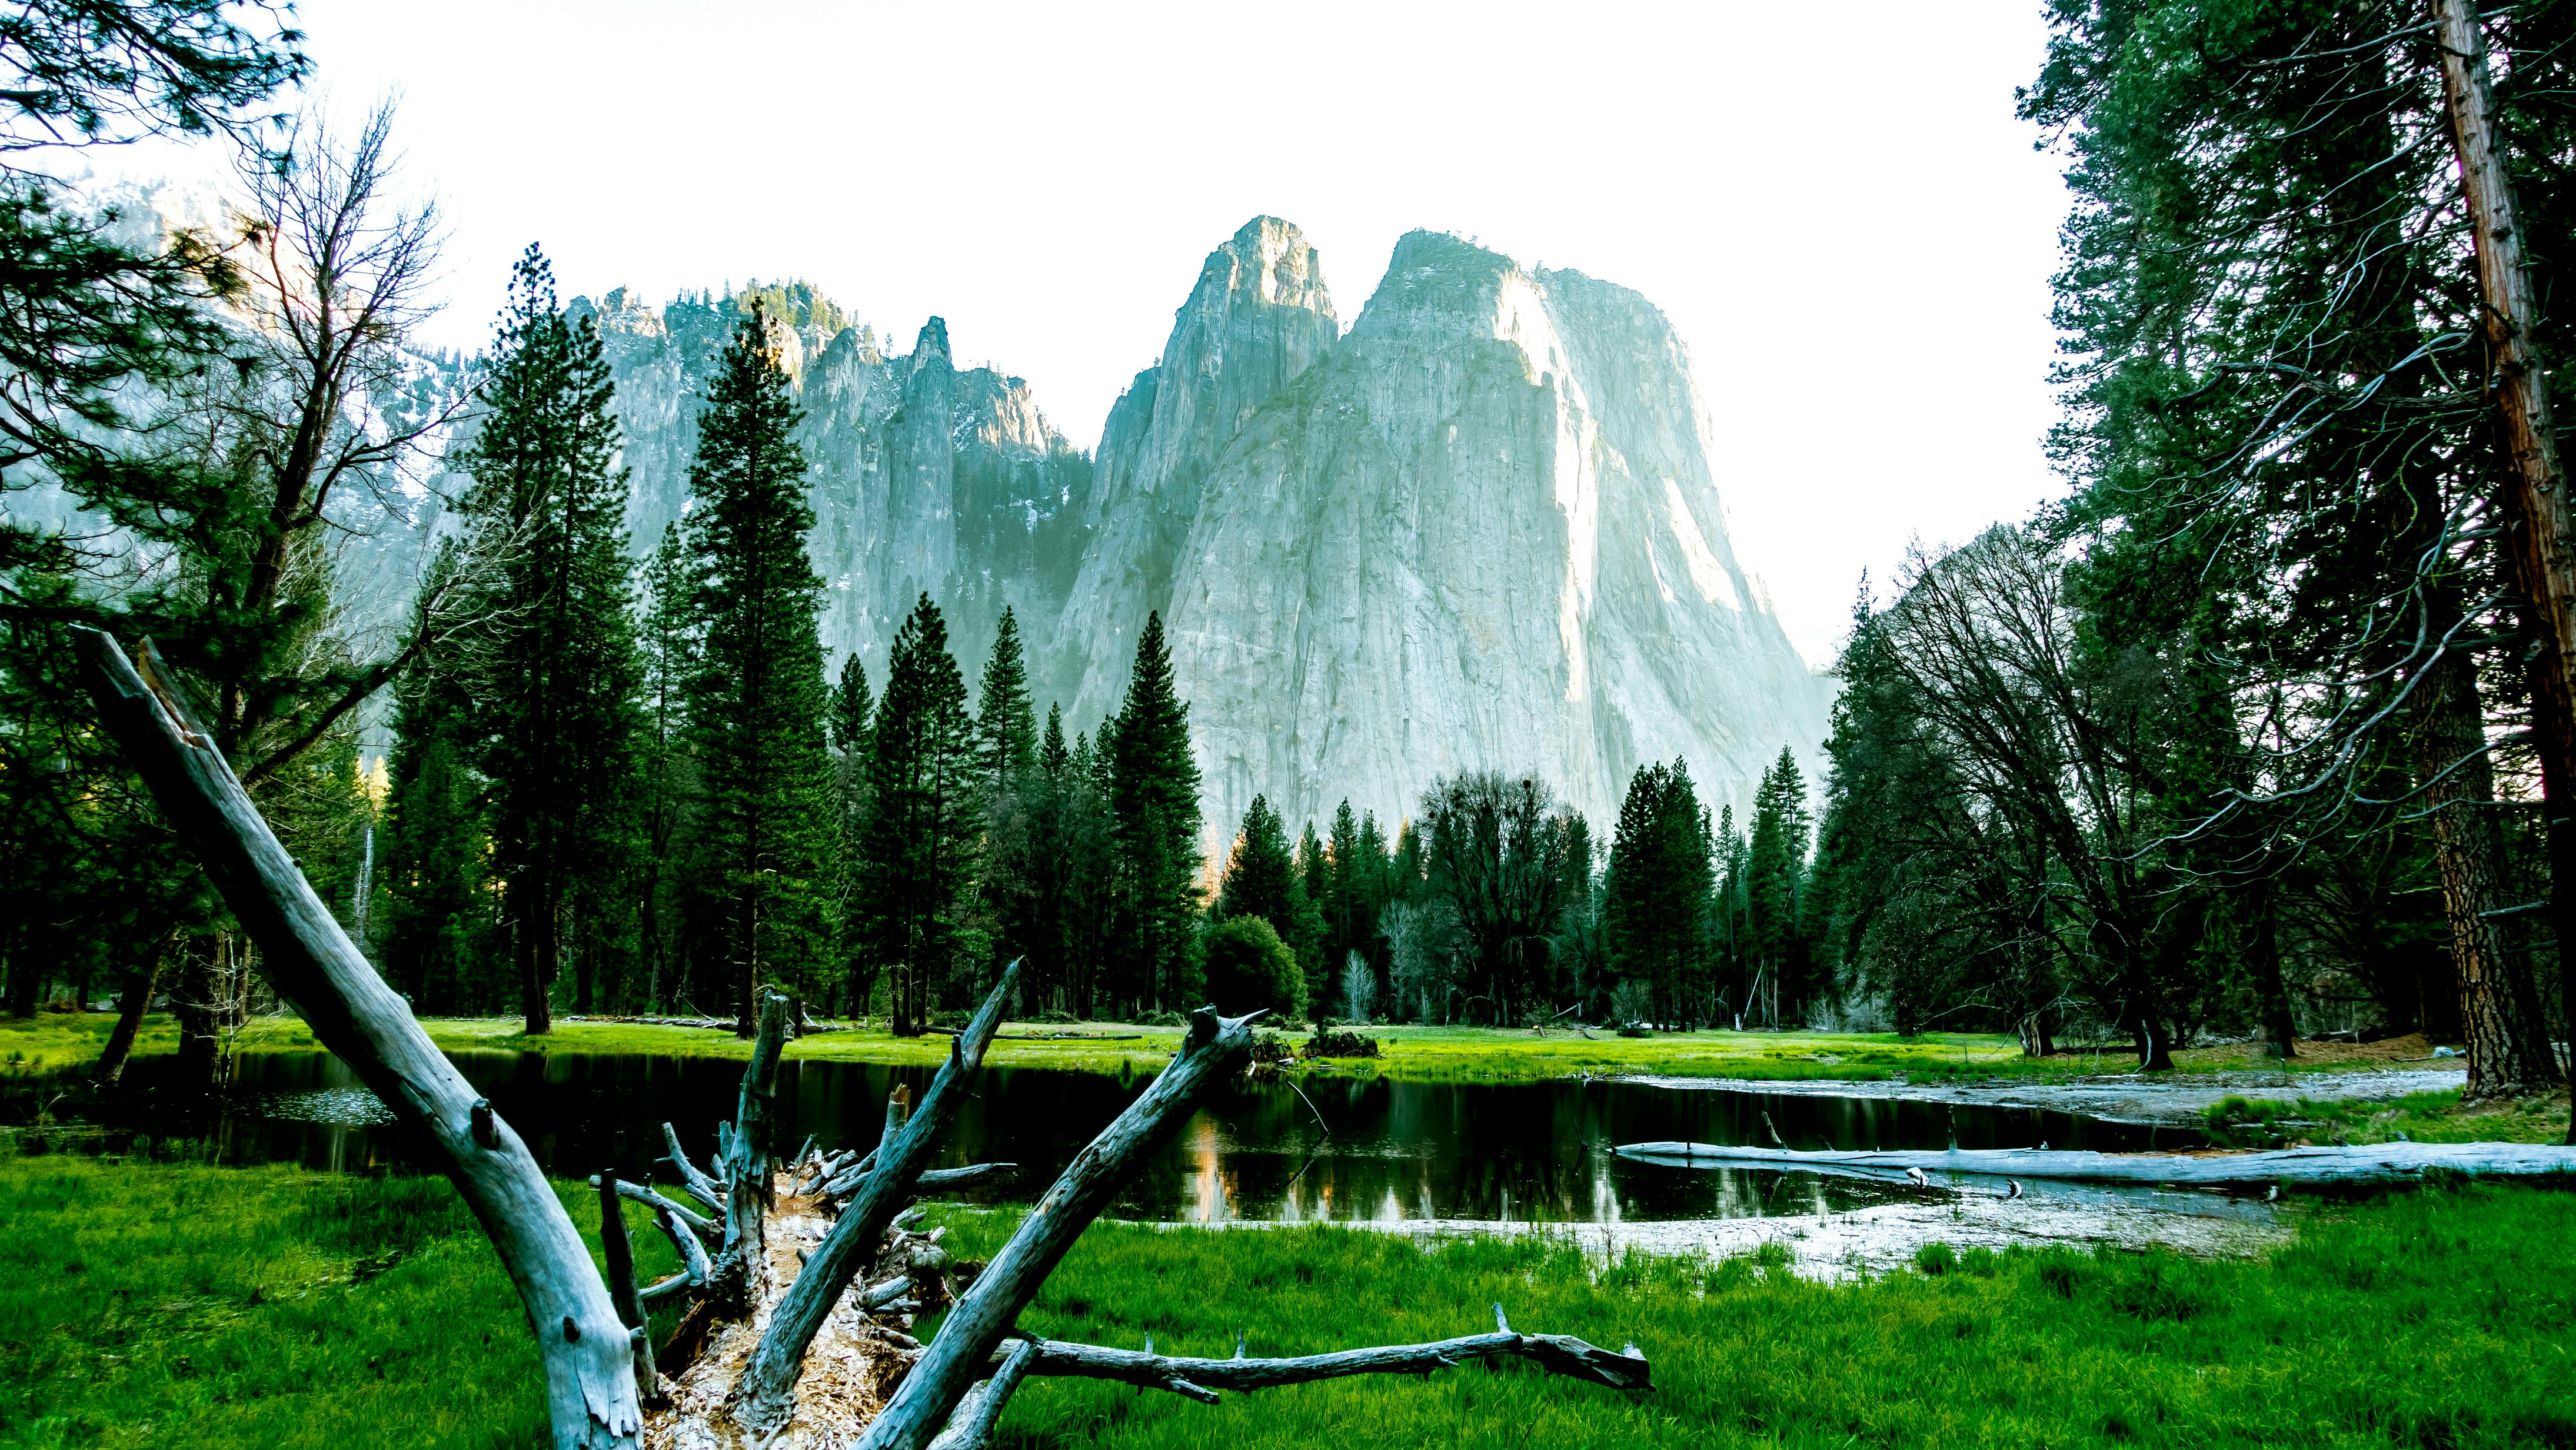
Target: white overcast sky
1835	207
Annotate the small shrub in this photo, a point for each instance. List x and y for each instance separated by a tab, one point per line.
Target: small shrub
1248	967
1342	1043
1271	1047
1164	1018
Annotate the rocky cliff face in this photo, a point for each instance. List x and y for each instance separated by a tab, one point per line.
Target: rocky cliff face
1257	320
1479	530
925	478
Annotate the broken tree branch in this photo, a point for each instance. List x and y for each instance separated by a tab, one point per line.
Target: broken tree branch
639	1193
622	1289
701	1187
1556	1353
746	1154
967	1177
768	1392
591	1395
963	1349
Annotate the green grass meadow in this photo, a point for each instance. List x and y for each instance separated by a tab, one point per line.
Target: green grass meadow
173	1304
53	1041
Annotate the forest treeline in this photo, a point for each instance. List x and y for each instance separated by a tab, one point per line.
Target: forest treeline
2265	729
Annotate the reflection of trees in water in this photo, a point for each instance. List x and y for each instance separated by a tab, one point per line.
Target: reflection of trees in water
1394	1150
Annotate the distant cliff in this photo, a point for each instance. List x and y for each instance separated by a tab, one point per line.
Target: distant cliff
1480	529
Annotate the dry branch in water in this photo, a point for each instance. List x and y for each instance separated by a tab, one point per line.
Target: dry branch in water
799	1296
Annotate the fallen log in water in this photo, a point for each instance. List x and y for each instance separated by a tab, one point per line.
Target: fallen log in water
2375	1163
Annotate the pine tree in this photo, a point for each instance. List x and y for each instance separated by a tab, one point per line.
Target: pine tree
1260	873
919	856
1154	801
1340	901
1006	727
851	708
756	699
1373	889
1655	911
1775	875
851	728
666	645
1054	757
1307	927
555	674
433	873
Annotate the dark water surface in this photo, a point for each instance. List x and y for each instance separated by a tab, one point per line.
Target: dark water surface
1350	1149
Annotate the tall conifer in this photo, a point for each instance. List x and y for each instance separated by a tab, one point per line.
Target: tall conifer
1154	800
756	700
919	853
666	642
554	673
1006	724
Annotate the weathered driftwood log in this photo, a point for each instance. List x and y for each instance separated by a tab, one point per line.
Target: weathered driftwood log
1199	1379
960	1355
971	1426
767	1395
638	1193
2376	1163
701	1187
1047	1036
970	1176
591	1394
623	1291
746	1157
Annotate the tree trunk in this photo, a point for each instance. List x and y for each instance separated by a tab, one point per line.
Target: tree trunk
198	1002
2544	534
2506	1055
140	985
2263	957
533	941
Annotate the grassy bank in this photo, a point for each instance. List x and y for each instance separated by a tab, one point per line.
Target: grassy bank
53	1041
159	1304
2421	1117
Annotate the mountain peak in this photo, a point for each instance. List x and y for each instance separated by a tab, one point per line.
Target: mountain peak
1267	260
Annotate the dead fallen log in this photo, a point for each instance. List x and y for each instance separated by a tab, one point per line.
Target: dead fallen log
2374	1163
591	1395
1556	1353
970	1176
768	1389
1047	1036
